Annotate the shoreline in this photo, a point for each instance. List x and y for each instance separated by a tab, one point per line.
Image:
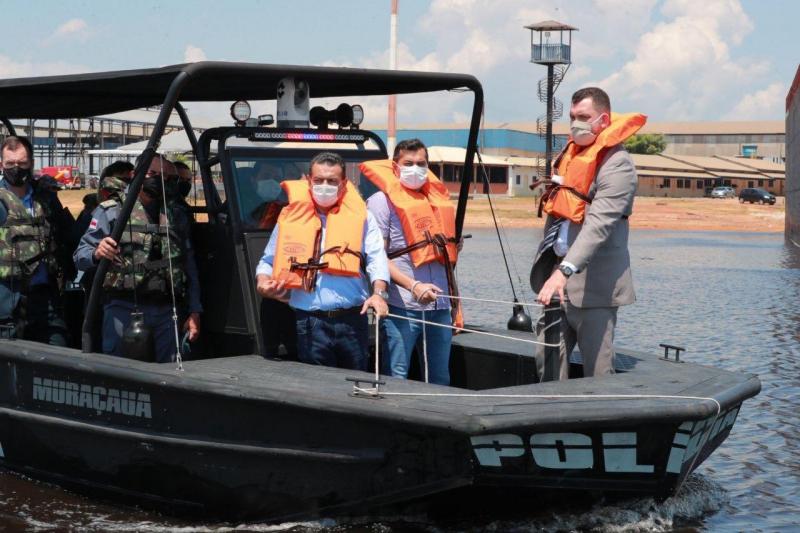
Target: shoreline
649	213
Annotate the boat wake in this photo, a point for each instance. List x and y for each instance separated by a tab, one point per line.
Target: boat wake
698	498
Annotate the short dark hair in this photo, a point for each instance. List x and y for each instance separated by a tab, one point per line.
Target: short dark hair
181	164
330	159
13	142
409	145
599	97
116	169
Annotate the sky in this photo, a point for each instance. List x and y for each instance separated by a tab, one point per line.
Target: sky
673	60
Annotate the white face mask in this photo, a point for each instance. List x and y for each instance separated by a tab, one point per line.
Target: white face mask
582	132
413	177
325	195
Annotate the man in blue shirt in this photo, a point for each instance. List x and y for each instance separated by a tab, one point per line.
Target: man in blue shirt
329	297
33	230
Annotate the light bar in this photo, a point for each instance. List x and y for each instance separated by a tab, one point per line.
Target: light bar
304	136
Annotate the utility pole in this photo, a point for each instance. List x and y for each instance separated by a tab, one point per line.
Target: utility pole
392	129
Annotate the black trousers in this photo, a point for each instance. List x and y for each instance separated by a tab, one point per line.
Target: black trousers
38	317
278	327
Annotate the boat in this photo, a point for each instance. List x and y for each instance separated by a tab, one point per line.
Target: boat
231	434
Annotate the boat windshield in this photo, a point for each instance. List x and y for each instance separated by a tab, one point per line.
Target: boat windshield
259	194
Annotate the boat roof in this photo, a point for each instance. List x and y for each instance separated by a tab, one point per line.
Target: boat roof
84	95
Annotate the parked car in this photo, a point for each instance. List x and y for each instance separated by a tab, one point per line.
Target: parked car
756	195
723	192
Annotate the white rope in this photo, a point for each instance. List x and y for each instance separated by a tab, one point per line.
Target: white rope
550	396
377	348
425	345
178	357
526	304
550	345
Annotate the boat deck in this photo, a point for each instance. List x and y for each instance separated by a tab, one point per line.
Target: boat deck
642	385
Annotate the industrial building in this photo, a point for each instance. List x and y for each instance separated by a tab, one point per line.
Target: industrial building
793	161
698	156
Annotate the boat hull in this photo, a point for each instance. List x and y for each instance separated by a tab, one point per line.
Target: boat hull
245	438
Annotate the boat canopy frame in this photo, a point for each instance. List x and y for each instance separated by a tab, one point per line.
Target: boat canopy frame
86	95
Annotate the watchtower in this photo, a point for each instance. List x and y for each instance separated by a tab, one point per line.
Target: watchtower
551	45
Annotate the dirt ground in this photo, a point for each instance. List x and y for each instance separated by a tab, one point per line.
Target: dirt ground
685	214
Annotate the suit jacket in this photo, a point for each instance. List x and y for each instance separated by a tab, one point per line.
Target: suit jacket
599	247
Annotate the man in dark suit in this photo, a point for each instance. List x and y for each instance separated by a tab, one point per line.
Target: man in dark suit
583	258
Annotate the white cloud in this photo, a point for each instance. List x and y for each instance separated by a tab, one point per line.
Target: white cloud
14	69
193	54
683	65
769	101
74	28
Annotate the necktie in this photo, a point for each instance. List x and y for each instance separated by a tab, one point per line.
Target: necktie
551	235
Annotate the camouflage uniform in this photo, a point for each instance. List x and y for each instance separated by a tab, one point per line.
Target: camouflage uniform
30	305
145	267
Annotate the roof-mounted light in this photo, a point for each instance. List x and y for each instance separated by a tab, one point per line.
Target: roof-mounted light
344	116
240	111
358	116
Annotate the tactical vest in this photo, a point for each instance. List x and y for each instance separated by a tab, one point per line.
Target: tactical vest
146	257
26	239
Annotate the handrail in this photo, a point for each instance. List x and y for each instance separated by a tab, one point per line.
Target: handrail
170	102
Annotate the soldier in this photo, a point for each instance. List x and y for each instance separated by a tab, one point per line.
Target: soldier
151	261
33	231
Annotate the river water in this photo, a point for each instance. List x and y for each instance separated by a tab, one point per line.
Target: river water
732	299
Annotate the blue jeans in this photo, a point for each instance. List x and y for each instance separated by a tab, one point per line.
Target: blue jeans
341	342
399	337
117	317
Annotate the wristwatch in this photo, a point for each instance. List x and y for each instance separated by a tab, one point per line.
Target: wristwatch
382	294
566	270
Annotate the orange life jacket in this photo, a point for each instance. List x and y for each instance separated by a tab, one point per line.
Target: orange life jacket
427	216
298	257
428	219
577	165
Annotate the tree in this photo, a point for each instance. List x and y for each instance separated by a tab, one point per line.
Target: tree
648	143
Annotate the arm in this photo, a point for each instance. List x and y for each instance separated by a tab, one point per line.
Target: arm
424	293
377	265
95	243
192	324
3	213
616	185
265	285
378	205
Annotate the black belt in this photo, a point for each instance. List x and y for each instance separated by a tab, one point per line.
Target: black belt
333	313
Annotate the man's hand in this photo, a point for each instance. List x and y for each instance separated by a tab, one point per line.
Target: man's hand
554	285
107	249
192	325
425	293
377	303
270	288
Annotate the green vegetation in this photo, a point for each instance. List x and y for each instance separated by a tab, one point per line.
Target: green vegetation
648	143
